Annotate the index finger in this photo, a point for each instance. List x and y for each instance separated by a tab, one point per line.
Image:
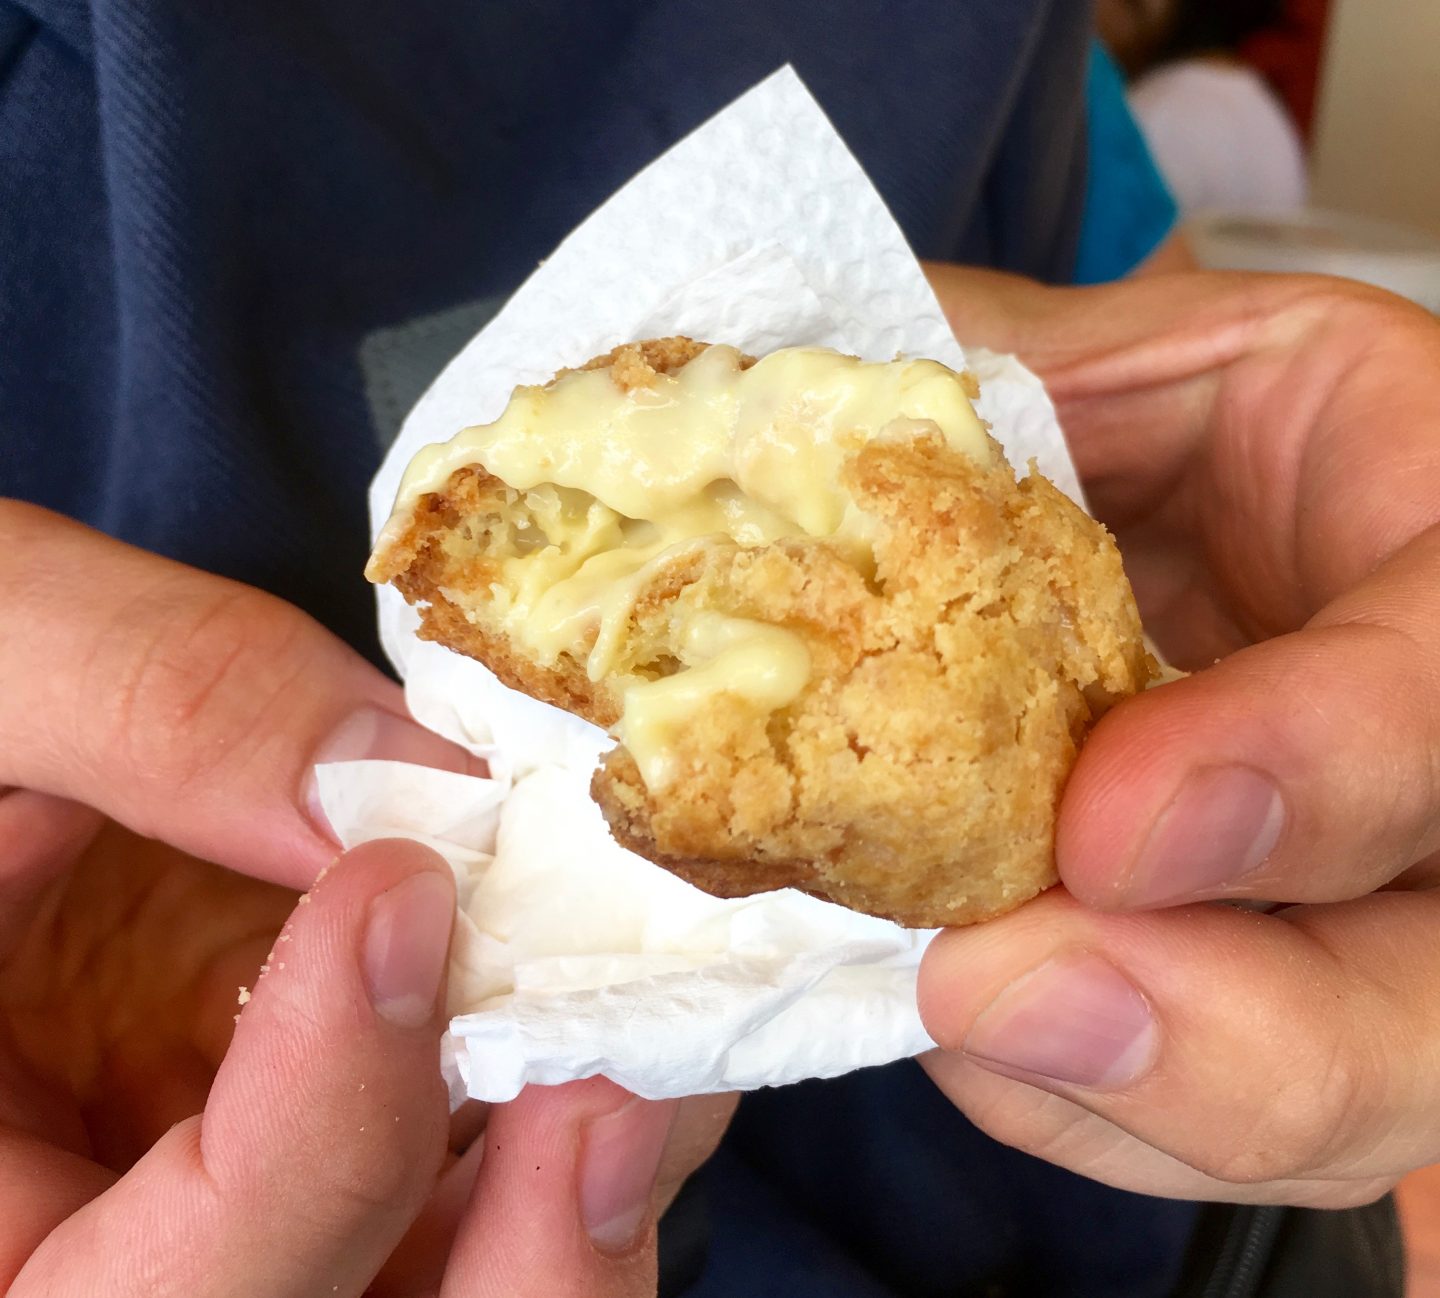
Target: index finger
185	706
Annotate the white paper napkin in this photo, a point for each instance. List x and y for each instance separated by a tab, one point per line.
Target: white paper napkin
572	956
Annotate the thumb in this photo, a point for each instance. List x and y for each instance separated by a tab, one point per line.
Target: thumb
326	1126
565	1203
1301	769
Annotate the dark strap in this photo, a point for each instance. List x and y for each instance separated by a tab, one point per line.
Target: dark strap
1264	1252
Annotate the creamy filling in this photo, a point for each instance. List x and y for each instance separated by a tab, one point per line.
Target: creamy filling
609	484
766	666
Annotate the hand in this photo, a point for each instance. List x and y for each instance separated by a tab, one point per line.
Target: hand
1267	452
190	710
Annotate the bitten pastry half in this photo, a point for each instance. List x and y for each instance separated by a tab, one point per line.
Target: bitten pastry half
842	649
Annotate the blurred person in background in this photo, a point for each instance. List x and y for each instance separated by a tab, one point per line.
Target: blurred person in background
1223	139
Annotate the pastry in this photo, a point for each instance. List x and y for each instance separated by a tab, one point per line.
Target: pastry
841	648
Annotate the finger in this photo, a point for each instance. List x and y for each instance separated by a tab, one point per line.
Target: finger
564	1206
326	1125
1301	769
151	1081
1108	338
1051	328
40	1185
40	837
699	1125
185	706
1058	1130
1307	762
417	1266
1153	346
1318	383
1256	1049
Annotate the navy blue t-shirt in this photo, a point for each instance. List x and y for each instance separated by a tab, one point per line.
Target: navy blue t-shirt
207	207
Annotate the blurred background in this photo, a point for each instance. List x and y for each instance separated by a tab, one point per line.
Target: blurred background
1338	105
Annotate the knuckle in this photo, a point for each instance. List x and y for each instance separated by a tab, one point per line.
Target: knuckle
1061	1134
1330	306
1048	1127
375	1178
195	680
1302	1131
1324	295
385	1167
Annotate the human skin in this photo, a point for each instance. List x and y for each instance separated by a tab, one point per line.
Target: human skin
1266	449
155	719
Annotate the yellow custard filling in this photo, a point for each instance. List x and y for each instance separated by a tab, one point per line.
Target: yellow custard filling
606	484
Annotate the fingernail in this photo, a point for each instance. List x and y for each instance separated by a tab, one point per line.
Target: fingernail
371	733
618	1165
1075	1019
1222	825
407	940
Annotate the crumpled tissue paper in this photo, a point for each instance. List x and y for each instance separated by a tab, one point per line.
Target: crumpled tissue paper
572	956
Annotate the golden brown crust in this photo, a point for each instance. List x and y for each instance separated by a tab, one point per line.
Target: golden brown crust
917	775
635	365
621	795
428	575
